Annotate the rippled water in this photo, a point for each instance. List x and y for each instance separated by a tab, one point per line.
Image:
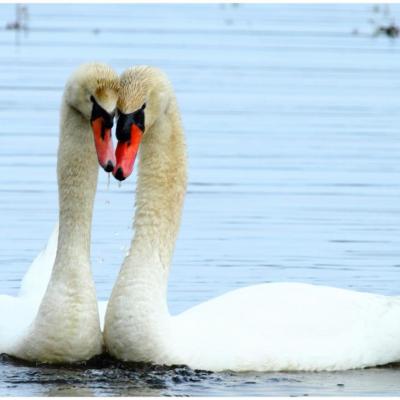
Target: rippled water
292	125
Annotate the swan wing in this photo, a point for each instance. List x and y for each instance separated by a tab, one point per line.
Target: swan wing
36	279
17	313
102	312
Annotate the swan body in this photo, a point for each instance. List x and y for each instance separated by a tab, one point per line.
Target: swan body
289	327
59	322
266	327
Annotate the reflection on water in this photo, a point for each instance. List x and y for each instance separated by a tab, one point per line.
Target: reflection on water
103	376
292	127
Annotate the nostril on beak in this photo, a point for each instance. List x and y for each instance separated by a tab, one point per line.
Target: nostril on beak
109	167
119	174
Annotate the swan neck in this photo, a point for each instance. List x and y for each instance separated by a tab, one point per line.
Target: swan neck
77	170
138	307
161	187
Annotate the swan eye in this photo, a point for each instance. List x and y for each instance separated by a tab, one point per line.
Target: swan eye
143	106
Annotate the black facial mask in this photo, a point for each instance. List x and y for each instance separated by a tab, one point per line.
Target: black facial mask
99	112
125	121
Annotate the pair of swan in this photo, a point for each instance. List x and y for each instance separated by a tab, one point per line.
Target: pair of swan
266	327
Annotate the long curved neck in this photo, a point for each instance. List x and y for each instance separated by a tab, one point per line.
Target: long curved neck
77	171
161	188
66	326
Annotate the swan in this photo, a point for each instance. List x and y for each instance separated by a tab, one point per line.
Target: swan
59	322
265	327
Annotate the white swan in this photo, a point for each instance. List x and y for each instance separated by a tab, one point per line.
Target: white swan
59	322
266	327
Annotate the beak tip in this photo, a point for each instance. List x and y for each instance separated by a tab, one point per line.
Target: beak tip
118	174
109	167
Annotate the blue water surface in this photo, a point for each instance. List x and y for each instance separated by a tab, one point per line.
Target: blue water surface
292	119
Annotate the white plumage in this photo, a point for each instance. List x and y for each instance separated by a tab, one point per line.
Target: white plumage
18	312
290	327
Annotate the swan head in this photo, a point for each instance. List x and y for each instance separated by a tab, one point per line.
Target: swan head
144	96
92	90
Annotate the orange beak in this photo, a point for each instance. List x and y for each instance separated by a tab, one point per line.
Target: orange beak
104	144
126	153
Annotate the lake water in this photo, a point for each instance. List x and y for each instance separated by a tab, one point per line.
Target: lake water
292	117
